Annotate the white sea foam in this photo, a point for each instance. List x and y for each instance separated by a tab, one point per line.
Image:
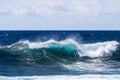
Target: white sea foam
64	77
100	49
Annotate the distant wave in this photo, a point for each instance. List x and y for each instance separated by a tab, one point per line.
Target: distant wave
57	51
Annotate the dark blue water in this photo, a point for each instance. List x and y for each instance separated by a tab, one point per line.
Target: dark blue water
28	53
11	37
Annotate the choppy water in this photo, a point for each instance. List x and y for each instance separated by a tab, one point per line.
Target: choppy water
93	55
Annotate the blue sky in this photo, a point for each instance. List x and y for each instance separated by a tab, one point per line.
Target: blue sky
59	14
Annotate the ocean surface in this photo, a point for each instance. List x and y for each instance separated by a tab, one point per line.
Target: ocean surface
59	55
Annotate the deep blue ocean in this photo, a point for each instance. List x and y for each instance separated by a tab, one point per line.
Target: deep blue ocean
54	55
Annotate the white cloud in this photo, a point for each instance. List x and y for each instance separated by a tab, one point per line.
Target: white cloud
60	7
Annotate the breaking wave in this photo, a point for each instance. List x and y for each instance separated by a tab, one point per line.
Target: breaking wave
57	51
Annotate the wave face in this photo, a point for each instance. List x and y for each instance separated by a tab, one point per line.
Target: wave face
58	51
